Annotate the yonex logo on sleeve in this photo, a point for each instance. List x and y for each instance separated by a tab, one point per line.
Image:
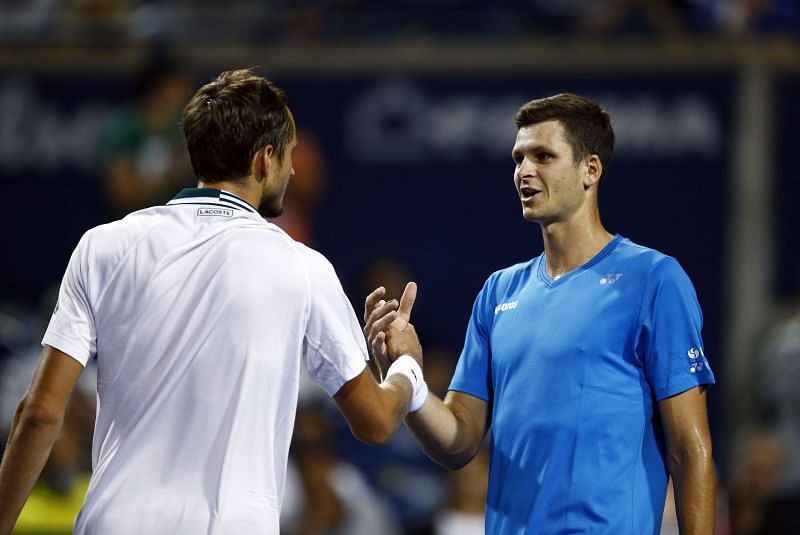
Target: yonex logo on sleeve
698	359
695	352
220	212
506	306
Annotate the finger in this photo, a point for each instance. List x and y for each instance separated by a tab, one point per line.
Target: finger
381	311
372	299
379	348
406	304
381	339
377	314
382	324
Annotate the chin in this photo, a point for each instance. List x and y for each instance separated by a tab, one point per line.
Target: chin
269	210
529	215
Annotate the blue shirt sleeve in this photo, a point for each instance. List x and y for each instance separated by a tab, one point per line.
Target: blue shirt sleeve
473	373
669	342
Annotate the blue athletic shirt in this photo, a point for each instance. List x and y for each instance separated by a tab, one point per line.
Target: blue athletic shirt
572	369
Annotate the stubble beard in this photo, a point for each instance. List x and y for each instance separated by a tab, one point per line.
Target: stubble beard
271	207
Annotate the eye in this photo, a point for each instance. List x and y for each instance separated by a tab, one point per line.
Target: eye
544	156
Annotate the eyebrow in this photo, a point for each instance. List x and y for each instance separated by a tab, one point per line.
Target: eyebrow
539	147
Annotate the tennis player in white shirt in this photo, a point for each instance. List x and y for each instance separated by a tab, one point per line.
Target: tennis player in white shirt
199	314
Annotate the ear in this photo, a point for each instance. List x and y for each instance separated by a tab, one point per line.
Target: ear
261	162
594	169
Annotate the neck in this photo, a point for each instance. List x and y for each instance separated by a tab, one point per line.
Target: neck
570	244
247	189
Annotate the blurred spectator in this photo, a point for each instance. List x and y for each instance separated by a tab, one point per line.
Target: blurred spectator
758	457
765	479
665	17
145	155
414	485
774	453
417	487
305	189
58	495
326	495
310	22
27	20
754	16
95	21
464	514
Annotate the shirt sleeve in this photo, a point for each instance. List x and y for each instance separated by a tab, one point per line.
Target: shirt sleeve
669	340
334	348
72	326
473	373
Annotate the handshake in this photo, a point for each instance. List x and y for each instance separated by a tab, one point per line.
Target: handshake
393	341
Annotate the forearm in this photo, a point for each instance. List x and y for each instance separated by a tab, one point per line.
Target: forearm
396	396
374	411
444	436
29	444
694	482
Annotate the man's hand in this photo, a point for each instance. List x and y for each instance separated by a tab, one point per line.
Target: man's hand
403	342
380	314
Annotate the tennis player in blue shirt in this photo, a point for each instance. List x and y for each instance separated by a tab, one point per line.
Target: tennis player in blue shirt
586	362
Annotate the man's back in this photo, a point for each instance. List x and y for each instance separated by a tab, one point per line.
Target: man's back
199	314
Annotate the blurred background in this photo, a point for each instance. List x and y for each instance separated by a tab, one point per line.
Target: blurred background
404	111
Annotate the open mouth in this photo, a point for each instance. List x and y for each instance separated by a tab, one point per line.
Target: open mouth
527	194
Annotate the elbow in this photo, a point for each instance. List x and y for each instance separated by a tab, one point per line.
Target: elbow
697	456
34	414
372	439
373	436
375	432
453	461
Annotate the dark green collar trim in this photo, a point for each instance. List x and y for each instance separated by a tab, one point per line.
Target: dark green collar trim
220	196
197	192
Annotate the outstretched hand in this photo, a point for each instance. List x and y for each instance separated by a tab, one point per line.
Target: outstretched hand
379	315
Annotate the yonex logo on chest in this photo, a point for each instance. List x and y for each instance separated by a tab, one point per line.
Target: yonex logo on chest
506	306
221	212
610	278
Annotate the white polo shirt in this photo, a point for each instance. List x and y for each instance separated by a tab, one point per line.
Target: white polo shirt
199	314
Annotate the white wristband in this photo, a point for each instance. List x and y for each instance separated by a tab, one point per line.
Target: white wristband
408	366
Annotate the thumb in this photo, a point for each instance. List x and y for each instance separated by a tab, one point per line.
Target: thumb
406	304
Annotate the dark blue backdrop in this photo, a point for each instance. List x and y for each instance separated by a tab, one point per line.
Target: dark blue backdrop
418	167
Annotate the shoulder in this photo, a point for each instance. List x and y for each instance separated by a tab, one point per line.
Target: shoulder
648	263
511	276
312	261
118	235
505	282
316	262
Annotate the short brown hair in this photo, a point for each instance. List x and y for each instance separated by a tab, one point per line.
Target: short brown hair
229	120
587	126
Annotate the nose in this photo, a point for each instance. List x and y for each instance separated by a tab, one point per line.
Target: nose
526	169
